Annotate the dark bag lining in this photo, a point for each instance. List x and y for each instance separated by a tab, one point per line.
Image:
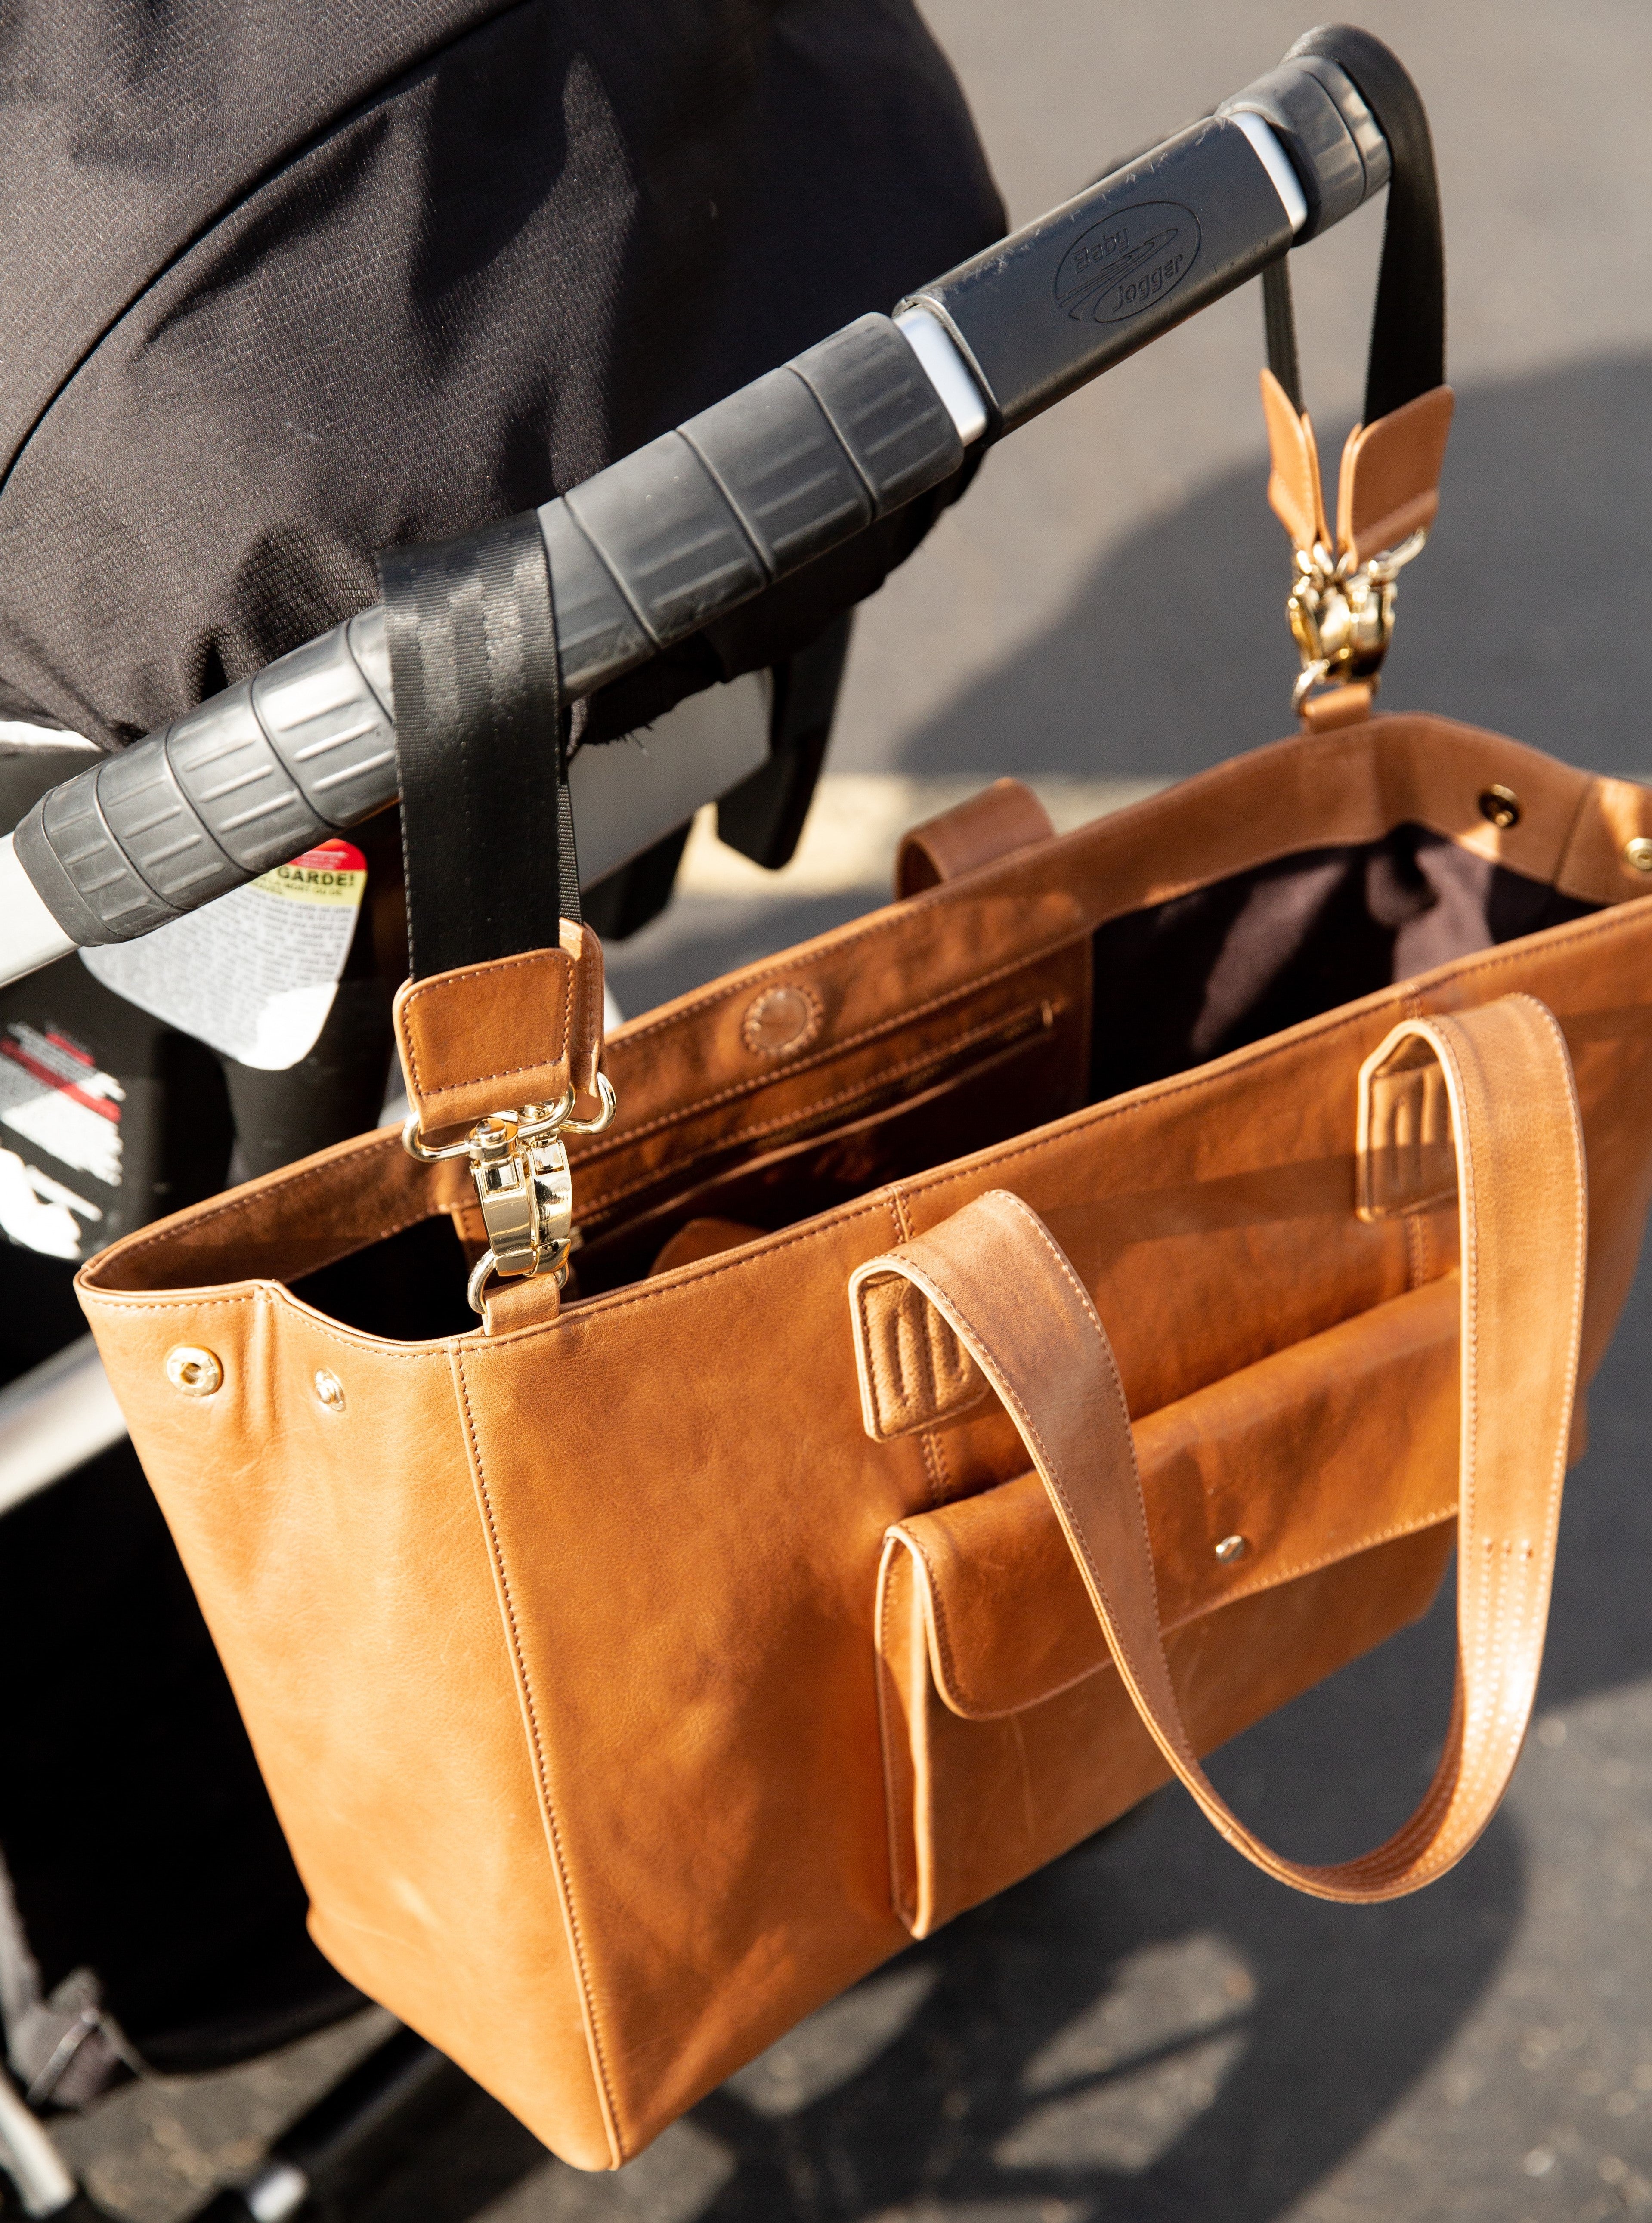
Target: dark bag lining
1207	973
1174	986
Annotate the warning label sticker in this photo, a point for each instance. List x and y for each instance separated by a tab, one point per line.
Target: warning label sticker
254	973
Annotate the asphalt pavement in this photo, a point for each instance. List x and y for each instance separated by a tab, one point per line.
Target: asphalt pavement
1151	2030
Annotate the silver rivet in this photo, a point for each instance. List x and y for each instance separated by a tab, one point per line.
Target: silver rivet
1232	1548
329	1389
1637	853
196	1372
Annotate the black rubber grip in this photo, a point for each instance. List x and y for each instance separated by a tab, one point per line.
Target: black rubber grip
698	521
1041	313
245	781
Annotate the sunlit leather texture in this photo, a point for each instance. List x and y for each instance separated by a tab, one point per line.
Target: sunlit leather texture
603	1754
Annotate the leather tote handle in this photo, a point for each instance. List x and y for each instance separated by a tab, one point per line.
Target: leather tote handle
996	1276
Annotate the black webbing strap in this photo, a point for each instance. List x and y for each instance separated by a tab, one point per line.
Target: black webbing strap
1408	330
486	831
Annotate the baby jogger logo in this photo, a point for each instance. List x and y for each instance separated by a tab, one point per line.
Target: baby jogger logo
1137	257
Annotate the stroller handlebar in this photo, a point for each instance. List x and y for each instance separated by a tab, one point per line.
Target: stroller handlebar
687	528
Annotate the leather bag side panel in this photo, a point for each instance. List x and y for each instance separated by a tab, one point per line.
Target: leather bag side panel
340	1563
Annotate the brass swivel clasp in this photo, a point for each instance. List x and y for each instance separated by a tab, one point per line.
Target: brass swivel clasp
524	1184
1341	612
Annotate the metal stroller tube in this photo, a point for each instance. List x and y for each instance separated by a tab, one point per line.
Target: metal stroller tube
686	529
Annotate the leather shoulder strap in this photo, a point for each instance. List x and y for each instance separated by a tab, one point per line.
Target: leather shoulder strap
996	1276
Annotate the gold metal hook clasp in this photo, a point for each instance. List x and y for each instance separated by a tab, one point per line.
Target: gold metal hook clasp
524	1184
1342	614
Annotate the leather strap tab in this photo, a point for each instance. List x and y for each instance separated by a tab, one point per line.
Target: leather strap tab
996	1275
1389	485
1006	816
1294	492
542	1010
1337	706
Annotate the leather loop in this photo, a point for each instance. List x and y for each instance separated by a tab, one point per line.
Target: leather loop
1004	817
486	1038
996	1276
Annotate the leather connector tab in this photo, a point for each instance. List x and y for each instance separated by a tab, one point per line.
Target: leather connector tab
914	1372
1406	1157
1002	818
1294	494
1388	484
1338	706
487	1038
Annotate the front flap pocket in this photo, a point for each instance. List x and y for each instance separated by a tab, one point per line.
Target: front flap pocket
1300	1511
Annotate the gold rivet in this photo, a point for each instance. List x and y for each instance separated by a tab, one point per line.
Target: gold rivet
196	1372
329	1389
1637	853
1232	1548
1502	806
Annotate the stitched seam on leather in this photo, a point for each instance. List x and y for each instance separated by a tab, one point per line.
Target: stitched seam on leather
479	972
888	1074
375	1141
546	1806
1138	1509
895	917
902	1893
1008	1391
1620	918
601	1307
926	1436
717	1146
754	1082
314	1323
974	1709
1255	1056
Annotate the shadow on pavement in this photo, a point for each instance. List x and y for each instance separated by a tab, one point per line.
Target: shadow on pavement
1173	653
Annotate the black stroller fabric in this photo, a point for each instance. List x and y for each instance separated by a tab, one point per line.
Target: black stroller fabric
286	287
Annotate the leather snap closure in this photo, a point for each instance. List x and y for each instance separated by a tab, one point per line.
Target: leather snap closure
1500	806
329	1389
196	1372
1231	1549
1637	853
781	1020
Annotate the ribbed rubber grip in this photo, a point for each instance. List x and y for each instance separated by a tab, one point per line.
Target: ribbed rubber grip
698	521
245	781
642	555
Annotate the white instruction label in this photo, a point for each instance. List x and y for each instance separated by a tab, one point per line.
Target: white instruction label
253	974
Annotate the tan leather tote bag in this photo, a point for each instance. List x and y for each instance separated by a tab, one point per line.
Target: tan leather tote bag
1003	1347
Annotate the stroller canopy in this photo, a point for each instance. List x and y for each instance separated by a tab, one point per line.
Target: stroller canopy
286	287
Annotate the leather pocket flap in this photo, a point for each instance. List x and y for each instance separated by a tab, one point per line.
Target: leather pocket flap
1333	1445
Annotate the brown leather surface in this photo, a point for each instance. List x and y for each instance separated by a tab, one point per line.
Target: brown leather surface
1326	1448
1294	491
1003	818
1406	1152
557	1648
1388	484
488	1038
703	1238
1338	706
998	1276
